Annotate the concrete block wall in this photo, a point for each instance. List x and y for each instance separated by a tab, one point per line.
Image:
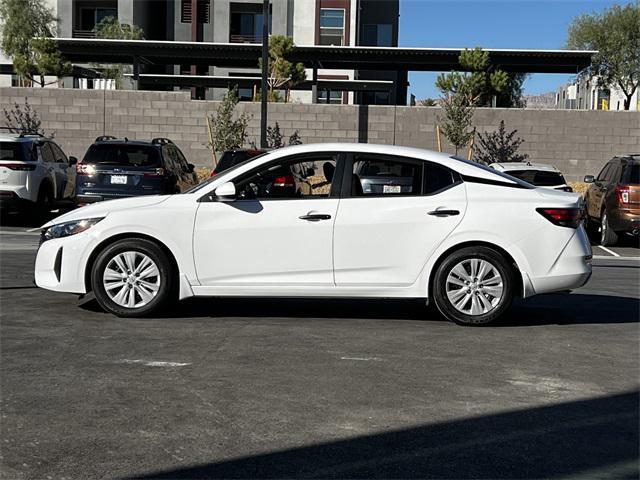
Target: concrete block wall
577	142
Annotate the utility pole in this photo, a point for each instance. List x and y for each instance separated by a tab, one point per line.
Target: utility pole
265	70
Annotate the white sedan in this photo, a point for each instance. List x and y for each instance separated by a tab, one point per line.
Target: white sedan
297	222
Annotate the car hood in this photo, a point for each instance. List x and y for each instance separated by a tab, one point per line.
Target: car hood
102	209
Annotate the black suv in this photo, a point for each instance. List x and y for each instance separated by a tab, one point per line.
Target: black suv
116	168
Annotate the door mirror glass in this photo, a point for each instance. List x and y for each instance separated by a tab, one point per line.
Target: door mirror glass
589	179
226	192
73	160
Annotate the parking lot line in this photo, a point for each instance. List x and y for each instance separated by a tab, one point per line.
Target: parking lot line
608	251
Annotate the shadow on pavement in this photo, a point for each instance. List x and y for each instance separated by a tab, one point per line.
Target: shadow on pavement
33	219
558	309
594	438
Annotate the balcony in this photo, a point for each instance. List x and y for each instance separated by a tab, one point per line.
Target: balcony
245	39
83	33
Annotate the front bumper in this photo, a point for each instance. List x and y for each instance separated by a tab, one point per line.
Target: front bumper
60	264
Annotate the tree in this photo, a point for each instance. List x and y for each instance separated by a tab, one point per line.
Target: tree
23	119
458	118
275	137
499	146
225	131
615	34
428	102
109	27
27	28
282	73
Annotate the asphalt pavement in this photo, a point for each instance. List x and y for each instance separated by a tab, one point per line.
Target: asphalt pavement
255	388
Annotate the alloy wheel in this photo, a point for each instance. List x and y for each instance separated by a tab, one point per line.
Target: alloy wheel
131	279
474	286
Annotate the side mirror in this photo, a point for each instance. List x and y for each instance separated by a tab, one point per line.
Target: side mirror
589	179
226	192
73	160
190	167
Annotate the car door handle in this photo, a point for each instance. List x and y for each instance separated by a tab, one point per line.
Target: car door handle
444	213
315	217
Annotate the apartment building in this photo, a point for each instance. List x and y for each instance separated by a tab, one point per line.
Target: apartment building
586	94
308	22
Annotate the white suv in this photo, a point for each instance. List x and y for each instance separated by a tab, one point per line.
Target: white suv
34	171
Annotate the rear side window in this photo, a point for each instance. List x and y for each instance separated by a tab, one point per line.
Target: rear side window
123	155
386	177
11	151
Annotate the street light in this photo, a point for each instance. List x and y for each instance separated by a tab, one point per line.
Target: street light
265	68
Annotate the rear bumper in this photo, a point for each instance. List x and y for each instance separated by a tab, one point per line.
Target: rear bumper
571	269
624	221
85	198
10	201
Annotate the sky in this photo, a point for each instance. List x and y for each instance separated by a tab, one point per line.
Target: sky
531	24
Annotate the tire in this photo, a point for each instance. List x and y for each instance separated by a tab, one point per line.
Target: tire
480	304
45	198
607	236
117	287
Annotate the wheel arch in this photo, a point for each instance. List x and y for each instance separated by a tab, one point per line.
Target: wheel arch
125	236
519	289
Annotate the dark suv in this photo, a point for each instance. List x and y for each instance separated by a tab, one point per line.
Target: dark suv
613	199
116	168
231	158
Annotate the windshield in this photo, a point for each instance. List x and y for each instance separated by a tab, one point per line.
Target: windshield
520	182
539	178
11	151
123	155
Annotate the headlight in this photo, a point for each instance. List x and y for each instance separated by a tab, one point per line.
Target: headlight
68	228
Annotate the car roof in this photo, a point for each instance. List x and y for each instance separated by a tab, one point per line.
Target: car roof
459	165
510	166
15	137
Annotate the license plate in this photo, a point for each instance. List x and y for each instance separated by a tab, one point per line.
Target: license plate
392	189
119	179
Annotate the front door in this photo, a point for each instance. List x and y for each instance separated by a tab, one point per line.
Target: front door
278	231
398	212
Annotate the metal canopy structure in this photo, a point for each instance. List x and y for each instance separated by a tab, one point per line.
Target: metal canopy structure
243	55
216	81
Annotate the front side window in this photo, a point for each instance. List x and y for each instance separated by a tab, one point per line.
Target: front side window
302	178
58	154
46	153
374	176
331	26
603	173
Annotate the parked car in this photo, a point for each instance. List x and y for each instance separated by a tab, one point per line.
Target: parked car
538	174
466	237
34	172
613	199
231	158
115	168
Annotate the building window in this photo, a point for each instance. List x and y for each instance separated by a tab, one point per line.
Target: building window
246	23
332	26
203	14
329	96
377	35
375	98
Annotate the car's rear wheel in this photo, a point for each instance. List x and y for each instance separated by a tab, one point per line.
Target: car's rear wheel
132	278
474	286
607	236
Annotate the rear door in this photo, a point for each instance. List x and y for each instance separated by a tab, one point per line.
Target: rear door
384	236
65	173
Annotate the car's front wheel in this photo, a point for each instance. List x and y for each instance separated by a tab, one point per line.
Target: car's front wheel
473	286
132	278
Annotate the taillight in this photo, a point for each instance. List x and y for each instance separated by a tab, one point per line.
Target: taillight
213	173
156	172
564	217
85	169
622	191
20	167
284	181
